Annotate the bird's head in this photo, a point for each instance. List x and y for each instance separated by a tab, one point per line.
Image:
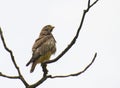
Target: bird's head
48	28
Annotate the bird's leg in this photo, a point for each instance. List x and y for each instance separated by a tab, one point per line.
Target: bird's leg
44	69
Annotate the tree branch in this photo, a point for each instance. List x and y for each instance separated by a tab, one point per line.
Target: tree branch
65	50
62	76
39	82
44	65
92	3
75	37
12	58
11	77
78	73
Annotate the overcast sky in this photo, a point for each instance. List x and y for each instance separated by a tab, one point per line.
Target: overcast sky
22	20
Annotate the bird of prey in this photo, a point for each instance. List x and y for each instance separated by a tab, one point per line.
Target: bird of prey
43	48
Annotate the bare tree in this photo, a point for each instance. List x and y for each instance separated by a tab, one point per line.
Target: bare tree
44	65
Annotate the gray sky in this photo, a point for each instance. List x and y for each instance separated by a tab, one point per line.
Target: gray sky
21	22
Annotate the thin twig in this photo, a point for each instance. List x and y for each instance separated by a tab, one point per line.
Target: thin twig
94	3
45	71
78	73
65	50
76	36
12	58
11	77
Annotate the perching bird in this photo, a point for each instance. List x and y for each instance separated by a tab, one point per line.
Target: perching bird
43	47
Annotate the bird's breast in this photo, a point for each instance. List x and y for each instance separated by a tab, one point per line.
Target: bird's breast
44	57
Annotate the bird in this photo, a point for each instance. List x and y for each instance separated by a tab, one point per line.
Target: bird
43	48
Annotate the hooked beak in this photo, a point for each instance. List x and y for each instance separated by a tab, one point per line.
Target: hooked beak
52	28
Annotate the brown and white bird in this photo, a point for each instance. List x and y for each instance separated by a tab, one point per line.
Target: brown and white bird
43	47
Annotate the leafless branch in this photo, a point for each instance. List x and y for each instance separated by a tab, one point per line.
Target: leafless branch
66	49
12	58
76	36
11	77
63	76
39	82
78	73
44	65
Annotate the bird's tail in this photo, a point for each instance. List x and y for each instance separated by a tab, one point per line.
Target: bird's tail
33	67
28	63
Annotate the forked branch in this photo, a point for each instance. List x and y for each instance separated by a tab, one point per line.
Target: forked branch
13	60
44	65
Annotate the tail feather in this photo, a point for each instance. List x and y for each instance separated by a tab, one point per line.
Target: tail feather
31	60
28	63
33	67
